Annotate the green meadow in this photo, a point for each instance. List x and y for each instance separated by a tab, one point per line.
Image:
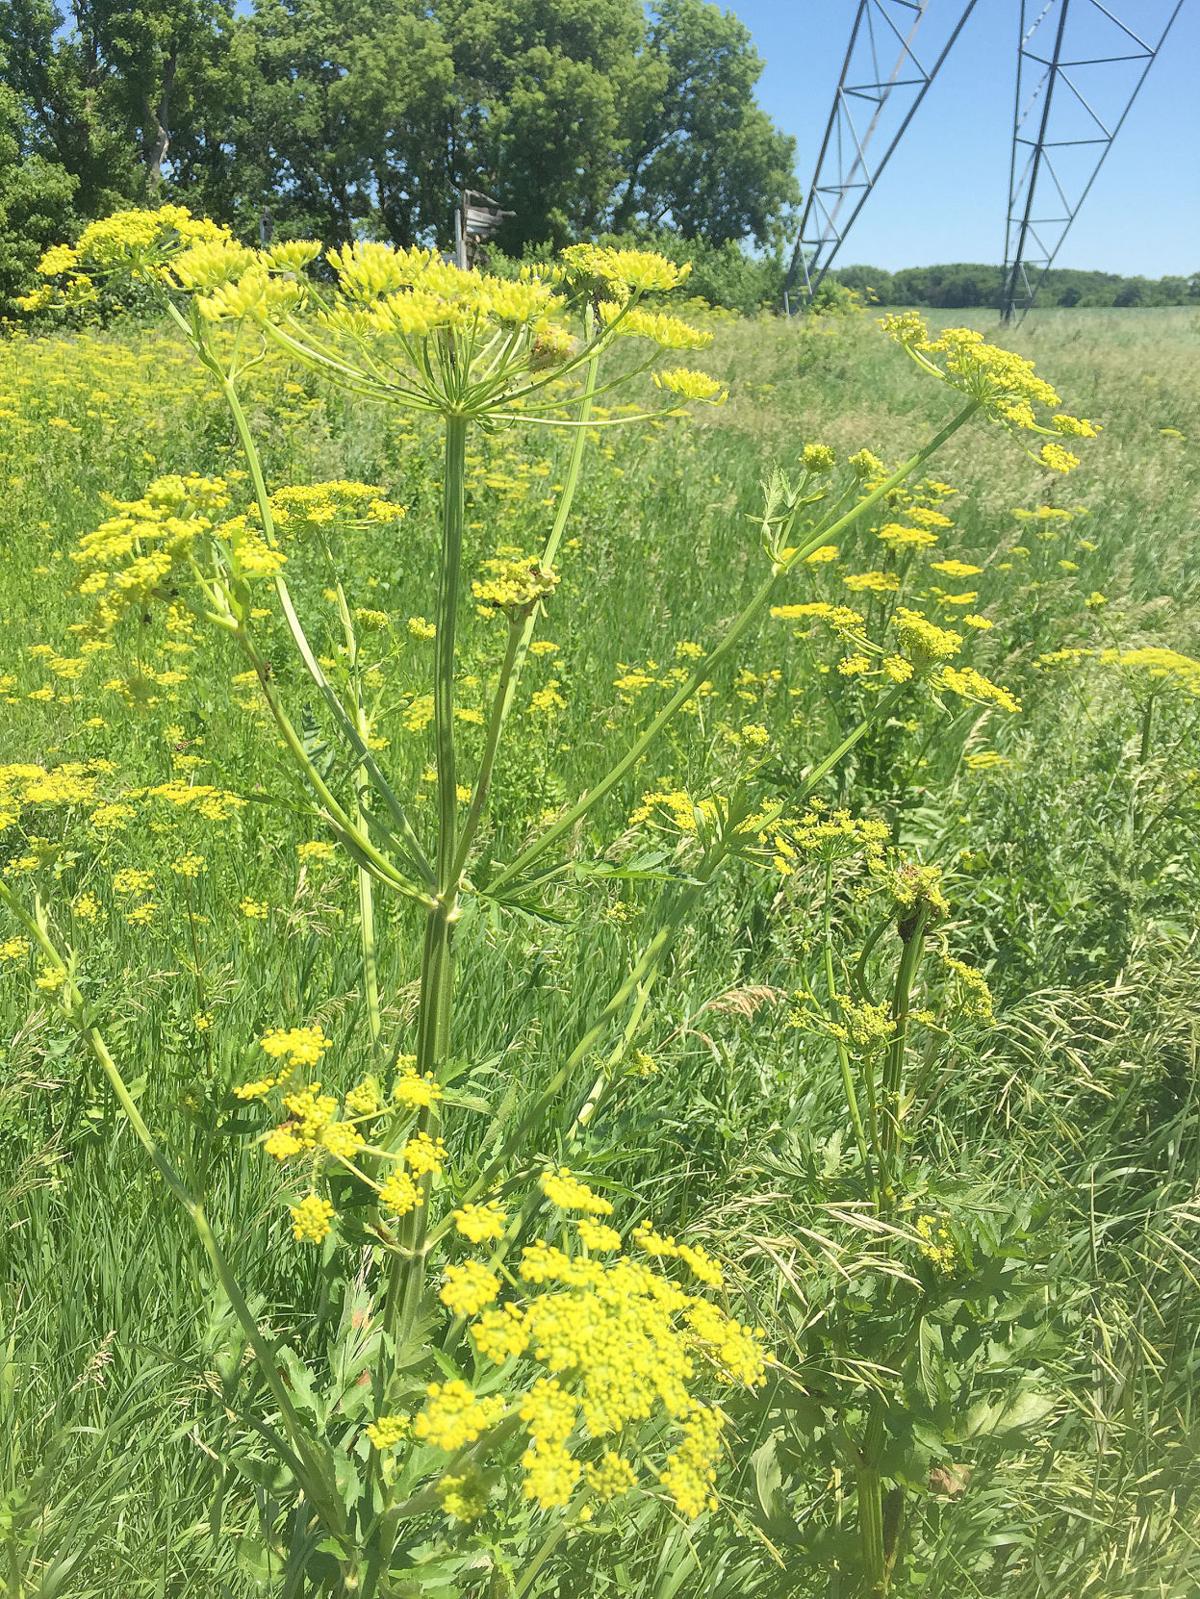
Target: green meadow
878	992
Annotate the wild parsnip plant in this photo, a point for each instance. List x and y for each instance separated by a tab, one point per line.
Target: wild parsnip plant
506	1387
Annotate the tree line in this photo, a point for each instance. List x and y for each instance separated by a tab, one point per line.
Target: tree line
323	118
964	284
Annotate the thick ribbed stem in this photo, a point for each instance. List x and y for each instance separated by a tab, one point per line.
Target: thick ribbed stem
407	1283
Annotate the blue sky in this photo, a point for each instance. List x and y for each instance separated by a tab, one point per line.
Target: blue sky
945	190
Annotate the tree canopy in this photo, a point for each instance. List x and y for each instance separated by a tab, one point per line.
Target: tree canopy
332	117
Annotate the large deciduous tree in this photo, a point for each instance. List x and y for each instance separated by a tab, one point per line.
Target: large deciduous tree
103	82
702	155
576	114
337	116
36	200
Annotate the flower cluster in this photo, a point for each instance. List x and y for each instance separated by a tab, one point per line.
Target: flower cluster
936	1243
141	551
309	507
513	584
1005	385
825	836
358	1132
597	1358
676	807
175	541
398	323
1155	661
134	244
27	785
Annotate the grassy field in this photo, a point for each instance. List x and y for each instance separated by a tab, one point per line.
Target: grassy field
1003	1349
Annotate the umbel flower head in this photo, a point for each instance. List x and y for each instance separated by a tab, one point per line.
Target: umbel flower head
179	540
610	1369
1005	385
401	325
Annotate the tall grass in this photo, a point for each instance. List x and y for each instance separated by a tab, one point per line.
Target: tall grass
1062	1139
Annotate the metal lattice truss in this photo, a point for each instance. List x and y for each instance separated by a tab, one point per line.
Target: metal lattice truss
881	85
1079	69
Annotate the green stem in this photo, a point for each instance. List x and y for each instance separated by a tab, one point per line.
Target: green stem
1133	815
549	1544
362	793
913	936
883	707
338	818
299	638
737	630
406	1283
505	686
604	1077
453	497
870	1507
643	972
197	963
831	996
521	632
1147	731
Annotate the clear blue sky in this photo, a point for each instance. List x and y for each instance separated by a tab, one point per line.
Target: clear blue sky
944	193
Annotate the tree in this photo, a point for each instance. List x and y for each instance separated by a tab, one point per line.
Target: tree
872	282
344	116
332	116
55	72
575	114
701	154
545	92
103	83
36	208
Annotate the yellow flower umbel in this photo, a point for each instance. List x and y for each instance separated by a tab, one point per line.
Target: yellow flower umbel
399	324
605	1368
619	1344
469	1288
145	550
480	1223
1005	386
311	1219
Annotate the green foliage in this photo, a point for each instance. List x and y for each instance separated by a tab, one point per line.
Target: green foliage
698	152
103	86
36	206
1038	1380
960	285
726	275
323	119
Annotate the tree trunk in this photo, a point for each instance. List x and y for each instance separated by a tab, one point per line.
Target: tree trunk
159	119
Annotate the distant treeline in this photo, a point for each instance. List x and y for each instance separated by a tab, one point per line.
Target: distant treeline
966	283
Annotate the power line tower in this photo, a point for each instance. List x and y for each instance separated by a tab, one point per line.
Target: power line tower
1079	69
872	107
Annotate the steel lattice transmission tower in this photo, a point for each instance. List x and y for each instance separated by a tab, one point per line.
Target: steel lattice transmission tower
1079	68
881	85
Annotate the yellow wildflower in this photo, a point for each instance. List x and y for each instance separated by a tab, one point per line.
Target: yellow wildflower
568	1193
424	1155
398	1194
311	1219
480	1223
468	1288
453	1415
298	1046
415	1092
